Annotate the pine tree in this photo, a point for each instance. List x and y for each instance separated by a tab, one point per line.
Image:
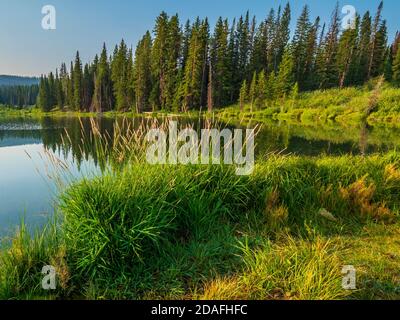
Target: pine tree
396	44
64	82
294	94
173	49
119	76
102	96
70	87
346	54
52	101
261	89
300	46
396	68
185	39
253	90
363	49
270	38
243	39
233	56
285	78
159	61
388	70
271	87
329	75
220	64
88	88
311	55
77	76
259	55
130	80
59	92
378	58
377	44
243	95
195	76
281	36
43	101
205	49
142	73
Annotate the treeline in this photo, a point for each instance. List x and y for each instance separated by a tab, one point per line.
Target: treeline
8	80
181	68
20	95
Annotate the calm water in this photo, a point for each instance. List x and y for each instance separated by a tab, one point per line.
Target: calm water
27	191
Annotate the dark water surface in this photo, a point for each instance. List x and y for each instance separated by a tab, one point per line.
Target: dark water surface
27	145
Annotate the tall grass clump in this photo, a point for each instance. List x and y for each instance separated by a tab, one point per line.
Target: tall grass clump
292	269
21	263
115	224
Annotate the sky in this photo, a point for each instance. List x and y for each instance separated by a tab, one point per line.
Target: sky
27	49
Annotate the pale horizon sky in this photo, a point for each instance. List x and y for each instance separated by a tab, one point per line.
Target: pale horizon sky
28	50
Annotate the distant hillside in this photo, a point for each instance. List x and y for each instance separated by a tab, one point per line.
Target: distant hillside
6	80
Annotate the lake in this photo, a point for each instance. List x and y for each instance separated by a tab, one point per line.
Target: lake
28	148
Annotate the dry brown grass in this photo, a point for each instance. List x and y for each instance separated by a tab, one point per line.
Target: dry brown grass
359	196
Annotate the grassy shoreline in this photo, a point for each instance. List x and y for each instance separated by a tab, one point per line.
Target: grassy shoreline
354	105
374	103
201	232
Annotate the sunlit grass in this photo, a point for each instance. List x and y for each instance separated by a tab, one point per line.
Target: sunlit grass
141	231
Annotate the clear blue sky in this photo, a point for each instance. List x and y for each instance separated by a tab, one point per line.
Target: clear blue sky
27	49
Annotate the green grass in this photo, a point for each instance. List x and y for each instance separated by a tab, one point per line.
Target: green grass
200	232
22	263
34	112
346	105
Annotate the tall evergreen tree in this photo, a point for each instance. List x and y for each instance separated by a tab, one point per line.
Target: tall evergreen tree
243	39
243	95
233	60
329	74
173	50
285	78
282	35
253	90
377	43
142	73
311	56
346	54
388	65
363	49
119	76
261	89
88	88
102	96
159	60
194	80
43	101
259	54
77	81
300	46
52	100
59	94
396	68
219	59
